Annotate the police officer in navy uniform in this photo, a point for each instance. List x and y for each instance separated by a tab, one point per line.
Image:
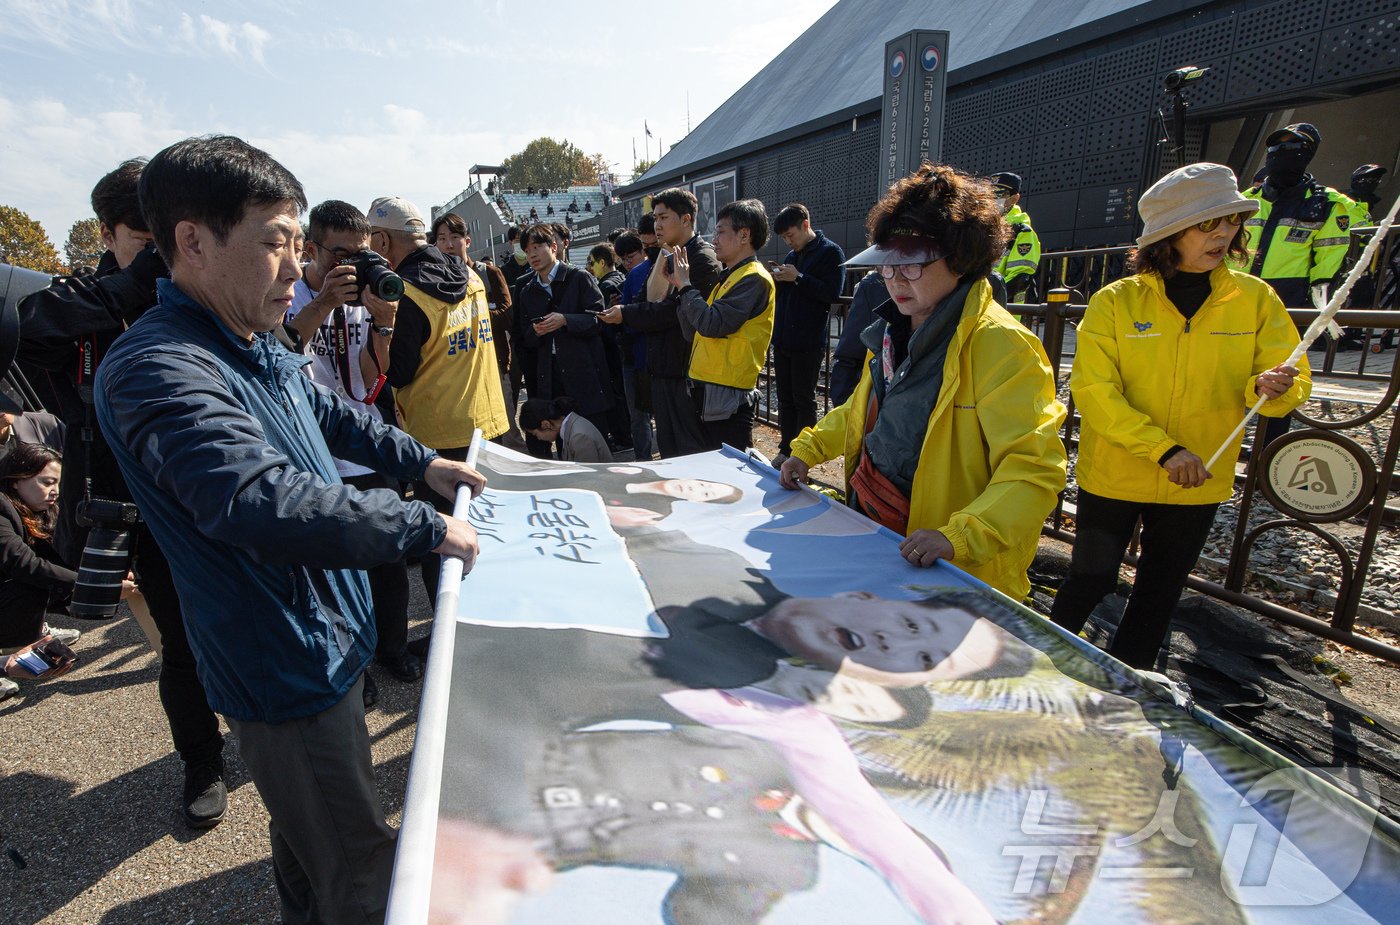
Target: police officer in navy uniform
1022	258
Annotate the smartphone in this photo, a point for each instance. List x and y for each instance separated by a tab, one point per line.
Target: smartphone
670	264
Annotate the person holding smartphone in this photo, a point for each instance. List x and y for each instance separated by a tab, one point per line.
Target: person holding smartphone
31	572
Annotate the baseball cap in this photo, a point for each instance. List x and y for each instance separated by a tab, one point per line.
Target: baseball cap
1305	131
1008	183
1368	170
395	214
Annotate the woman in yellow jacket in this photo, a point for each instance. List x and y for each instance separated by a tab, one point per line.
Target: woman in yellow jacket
1167	360
951	437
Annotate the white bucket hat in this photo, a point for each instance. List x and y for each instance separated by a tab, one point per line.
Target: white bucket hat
1187	196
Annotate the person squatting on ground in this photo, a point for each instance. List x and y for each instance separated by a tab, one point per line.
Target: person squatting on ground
971	480
442	364
84	314
32	576
229	453
1167	360
331	306
551	420
809	279
729	327
557	324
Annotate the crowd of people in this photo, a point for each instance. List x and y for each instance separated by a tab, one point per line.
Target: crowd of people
289	407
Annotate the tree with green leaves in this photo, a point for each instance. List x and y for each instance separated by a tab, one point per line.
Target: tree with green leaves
643	166
550	164
84	246
24	243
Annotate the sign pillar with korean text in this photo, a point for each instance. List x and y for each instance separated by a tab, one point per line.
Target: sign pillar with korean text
911	117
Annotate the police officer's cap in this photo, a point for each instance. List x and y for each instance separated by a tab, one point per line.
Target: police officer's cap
1367	171
1303	131
1006	184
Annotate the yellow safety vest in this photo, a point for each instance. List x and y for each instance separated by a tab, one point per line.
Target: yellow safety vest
736	359
458	385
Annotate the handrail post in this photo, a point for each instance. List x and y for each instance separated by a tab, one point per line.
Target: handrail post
1056	301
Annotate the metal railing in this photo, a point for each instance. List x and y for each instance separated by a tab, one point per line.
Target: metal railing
1069	278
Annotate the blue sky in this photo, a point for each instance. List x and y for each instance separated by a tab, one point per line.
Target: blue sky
360	99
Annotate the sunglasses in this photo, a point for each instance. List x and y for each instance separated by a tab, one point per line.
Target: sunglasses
1288	146
1211	224
910	271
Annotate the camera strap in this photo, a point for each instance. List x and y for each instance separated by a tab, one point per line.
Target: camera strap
341	347
87	369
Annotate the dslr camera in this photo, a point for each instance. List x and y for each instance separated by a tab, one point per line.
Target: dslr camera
374	272
106	557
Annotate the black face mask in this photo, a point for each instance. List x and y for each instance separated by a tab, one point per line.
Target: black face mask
1286	166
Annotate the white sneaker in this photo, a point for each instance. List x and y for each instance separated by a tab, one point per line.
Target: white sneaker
8	688
65	636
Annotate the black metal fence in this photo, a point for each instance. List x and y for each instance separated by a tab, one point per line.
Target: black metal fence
1069	278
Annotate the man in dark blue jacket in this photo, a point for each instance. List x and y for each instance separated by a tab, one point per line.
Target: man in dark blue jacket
809	280
228	451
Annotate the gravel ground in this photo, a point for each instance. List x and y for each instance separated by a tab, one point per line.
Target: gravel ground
90	797
90	791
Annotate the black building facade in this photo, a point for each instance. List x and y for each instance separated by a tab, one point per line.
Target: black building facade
1081	113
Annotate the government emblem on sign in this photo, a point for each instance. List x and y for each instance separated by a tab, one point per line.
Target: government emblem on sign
1317	476
928	58
897	64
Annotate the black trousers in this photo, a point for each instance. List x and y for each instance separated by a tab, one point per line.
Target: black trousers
388	586
735	430
678	430
796	372
1172	538
193	726
432	562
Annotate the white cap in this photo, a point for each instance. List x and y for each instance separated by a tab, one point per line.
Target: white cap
396	214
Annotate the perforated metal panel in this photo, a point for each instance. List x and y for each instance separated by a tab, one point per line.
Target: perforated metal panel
1083	125
1271	69
1020	94
1341	11
1128	64
1064	81
1121	99
1061	113
1121	166
1358	48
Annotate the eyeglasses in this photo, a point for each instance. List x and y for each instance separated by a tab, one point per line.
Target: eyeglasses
1211	224
339	253
910	271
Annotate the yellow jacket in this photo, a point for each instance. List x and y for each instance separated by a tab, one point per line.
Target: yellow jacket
992	460
1145	379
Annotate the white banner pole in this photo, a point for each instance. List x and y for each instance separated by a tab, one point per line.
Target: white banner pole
1320	324
413	862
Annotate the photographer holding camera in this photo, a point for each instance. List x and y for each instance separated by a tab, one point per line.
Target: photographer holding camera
444	372
347	329
66	330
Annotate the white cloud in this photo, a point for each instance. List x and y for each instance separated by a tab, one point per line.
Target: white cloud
27	24
235	40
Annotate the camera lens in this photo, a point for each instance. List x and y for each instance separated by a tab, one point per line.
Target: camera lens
104	564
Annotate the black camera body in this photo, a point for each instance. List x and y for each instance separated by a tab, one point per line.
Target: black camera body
374	272
101	512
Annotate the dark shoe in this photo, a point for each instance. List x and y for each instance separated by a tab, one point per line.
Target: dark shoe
206	797
371	691
419	647
406	668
